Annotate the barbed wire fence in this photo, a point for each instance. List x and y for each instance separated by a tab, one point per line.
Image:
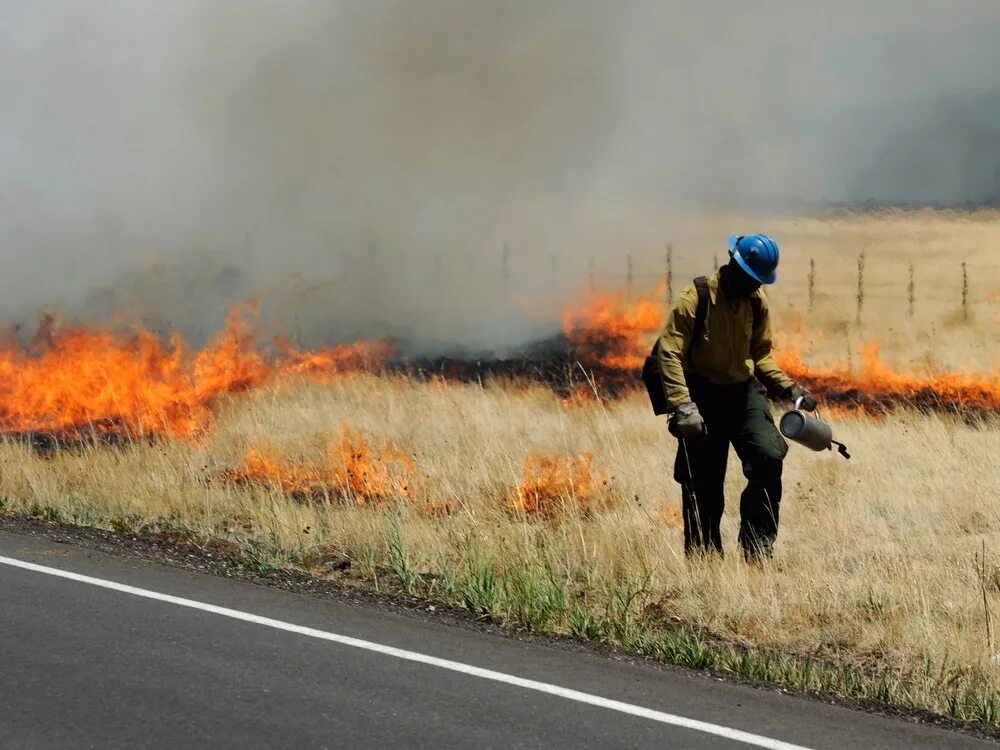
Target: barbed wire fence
863	289
951	287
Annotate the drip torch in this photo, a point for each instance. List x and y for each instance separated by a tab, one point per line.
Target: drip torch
810	431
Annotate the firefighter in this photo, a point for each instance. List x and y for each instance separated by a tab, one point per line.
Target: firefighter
715	363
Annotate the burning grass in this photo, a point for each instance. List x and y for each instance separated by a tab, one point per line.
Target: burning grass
611	336
352	468
877	388
75	383
71	383
611	333
557	486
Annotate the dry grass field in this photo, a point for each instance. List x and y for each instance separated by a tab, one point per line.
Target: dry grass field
561	516
941	332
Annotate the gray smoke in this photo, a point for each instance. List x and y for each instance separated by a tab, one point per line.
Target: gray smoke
360	165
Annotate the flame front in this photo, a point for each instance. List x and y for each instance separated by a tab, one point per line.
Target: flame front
331	361
79	380
612	335
97	380
878	387
74	381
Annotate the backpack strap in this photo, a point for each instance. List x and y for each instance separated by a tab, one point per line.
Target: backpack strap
651	369
700	315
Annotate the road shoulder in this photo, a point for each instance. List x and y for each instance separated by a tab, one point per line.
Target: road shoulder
173	553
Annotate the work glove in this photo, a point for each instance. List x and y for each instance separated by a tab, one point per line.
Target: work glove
686	423
796	391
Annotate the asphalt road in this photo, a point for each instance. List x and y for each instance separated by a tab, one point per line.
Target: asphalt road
84	665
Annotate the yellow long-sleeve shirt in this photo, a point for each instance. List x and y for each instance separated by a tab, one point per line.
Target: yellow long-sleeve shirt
730	350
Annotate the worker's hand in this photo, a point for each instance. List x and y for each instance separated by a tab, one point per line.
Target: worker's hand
796	392
686	423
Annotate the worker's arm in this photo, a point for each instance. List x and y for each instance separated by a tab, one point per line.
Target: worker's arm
674	341
765	368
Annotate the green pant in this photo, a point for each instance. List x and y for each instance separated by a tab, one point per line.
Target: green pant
736	415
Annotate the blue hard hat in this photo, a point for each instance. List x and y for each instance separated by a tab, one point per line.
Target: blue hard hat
757	254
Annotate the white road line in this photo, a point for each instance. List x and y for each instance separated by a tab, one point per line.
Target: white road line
467	669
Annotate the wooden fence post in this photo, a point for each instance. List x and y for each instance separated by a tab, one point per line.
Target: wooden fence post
965	291
911	292
812	283
670	274
861	284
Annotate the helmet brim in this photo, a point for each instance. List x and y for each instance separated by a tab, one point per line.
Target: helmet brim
766	280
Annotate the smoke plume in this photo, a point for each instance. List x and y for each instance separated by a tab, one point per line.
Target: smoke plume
362	165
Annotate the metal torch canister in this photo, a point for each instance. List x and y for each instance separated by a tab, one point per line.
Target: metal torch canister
805	429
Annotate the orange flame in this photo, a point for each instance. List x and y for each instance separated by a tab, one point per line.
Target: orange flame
71	380
81	380
370	475
332	361
555	484
613	333
612	336
878	387
352	468
262	465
